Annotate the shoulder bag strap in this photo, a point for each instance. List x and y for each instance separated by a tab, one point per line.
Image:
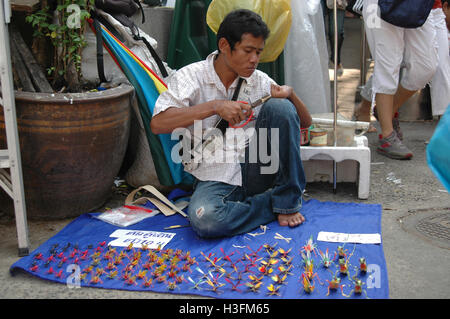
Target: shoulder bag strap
98	34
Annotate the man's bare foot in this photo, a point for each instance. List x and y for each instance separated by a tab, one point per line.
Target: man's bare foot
291	220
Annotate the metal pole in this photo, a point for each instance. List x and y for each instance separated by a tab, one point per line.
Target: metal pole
363	61
335	89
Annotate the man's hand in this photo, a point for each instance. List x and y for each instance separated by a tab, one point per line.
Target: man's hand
282	92
232	111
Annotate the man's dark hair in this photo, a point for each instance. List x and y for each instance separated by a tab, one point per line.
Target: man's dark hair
241	21
443	1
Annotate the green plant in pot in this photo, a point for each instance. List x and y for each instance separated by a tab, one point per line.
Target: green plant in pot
72	141
64	23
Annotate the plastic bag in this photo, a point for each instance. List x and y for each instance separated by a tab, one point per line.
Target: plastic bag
306	58
312	6
438	150
126	215
275	13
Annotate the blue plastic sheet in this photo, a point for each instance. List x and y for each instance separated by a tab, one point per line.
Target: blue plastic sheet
438	150
89	234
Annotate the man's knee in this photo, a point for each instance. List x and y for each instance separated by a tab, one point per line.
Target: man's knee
419	75
205	220
280	109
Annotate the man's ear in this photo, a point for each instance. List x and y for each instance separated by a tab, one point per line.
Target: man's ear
223	45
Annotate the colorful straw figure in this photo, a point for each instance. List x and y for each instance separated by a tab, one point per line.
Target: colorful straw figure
326	260
310	246
362	265
357	287
308	285
273	290
335	284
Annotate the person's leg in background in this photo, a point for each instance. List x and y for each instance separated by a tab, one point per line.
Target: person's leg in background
440	84
390	45
386	43
340	28
328	19
420	60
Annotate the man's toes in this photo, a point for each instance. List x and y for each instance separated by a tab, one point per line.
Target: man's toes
283	222
294	222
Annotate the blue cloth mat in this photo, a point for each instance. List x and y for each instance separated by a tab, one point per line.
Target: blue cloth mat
89	235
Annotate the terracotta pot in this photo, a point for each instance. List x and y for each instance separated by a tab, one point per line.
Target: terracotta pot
72	147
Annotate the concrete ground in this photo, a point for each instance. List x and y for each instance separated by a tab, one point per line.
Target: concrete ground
410	195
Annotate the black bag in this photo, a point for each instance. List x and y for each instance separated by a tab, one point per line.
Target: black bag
127	7
405	13
155	3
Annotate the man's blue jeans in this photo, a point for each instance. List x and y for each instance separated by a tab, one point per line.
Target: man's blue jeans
218	209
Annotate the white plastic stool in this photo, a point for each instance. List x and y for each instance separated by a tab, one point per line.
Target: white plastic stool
353	164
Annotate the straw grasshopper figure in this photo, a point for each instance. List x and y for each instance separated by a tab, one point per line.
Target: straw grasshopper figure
227	257
287	261
309	272
191	261
253	278
196	283
204	276
141	274
254	285
129	247
131	280
344	261
279	279
310	246
147	282
308	263
239	273
234	285
186	267
213	282
284	253
357	288
171	285
285	270
269	248
308	286
306	258
273	290
95	280
214	262
362	265
326	258
343	266
112	274
265	270
335	284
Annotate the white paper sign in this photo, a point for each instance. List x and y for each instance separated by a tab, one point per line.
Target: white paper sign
140	238
349	238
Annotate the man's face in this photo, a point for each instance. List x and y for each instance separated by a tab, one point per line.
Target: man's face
244	58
